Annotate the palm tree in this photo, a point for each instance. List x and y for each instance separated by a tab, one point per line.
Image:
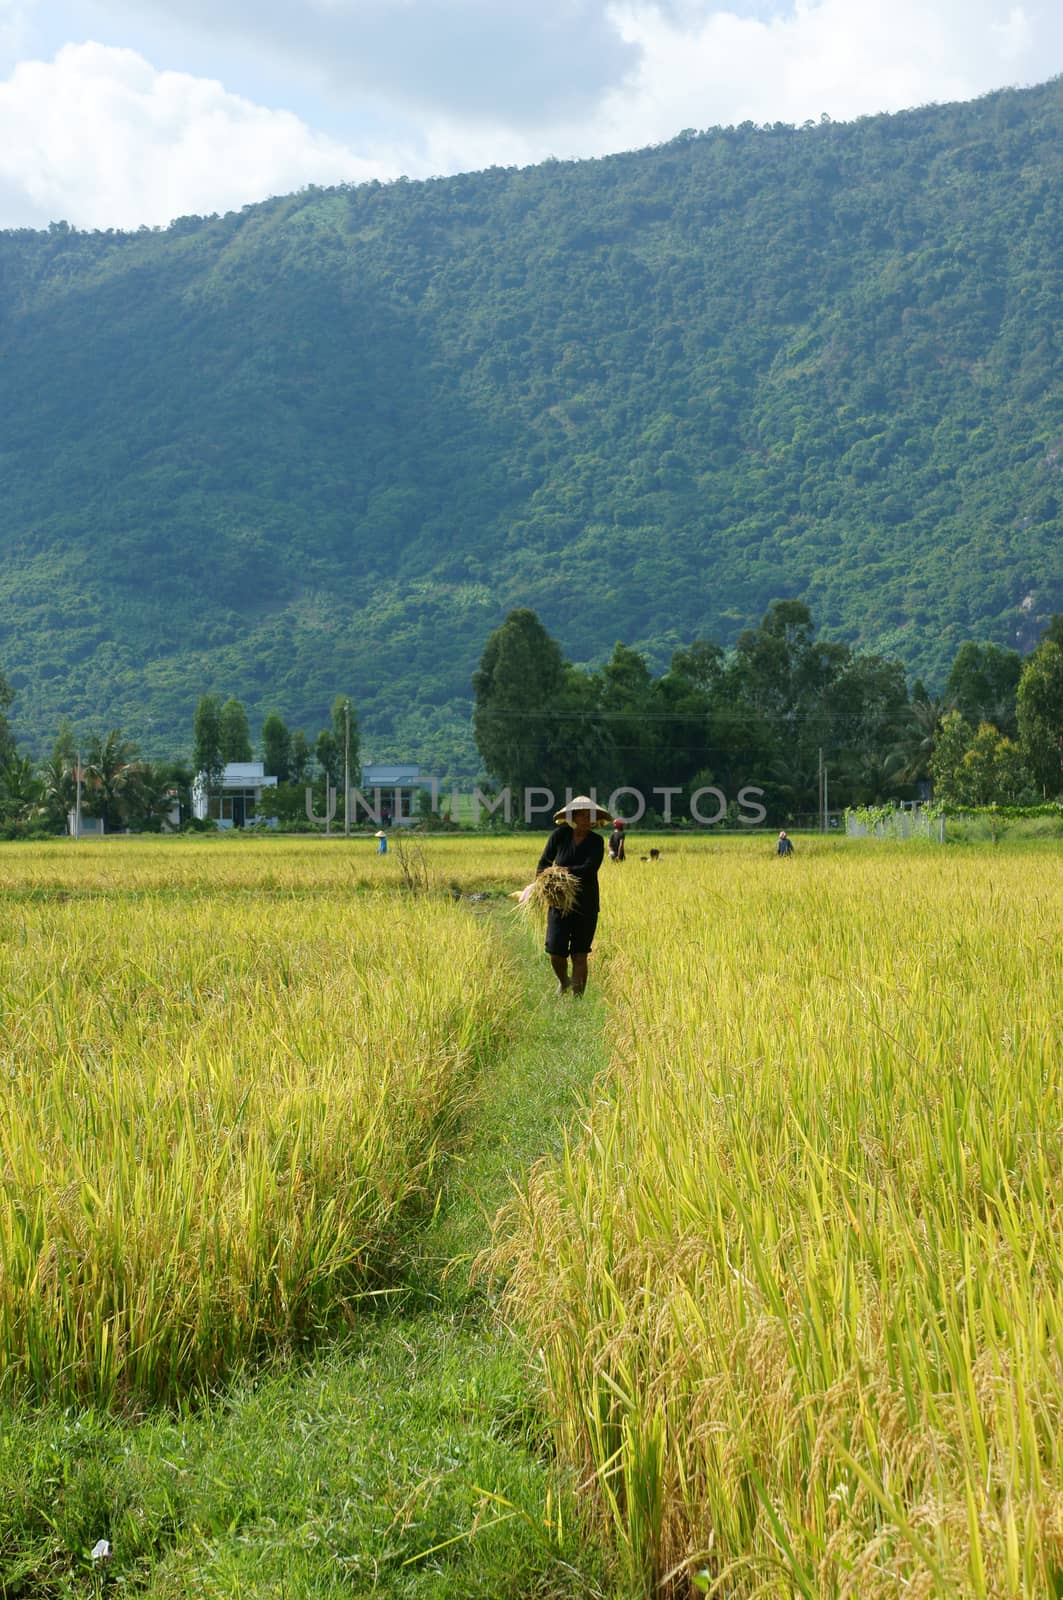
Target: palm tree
20	790
152	791
867	777
58	790
911	756
112	775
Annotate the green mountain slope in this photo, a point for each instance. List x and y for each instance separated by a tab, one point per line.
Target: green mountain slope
328	441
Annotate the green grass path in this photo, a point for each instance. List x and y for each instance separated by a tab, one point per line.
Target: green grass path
405	1461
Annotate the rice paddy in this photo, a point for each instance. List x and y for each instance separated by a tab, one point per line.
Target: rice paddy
802	1319
215	1110
790	1288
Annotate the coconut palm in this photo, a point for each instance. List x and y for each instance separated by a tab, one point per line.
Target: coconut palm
112	776
58	790
20	790
911	756
153	791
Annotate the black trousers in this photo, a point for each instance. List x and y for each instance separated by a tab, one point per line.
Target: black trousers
570	935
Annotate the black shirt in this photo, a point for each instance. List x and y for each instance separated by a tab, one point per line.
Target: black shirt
582	860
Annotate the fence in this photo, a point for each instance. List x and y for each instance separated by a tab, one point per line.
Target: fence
896	822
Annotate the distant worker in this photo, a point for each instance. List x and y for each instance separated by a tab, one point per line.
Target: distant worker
616	840
575	846
382	847
785	846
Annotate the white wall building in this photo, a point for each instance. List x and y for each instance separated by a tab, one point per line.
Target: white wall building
83	827
237	803
395	789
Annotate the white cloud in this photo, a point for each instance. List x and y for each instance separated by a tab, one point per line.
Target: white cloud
100	138
700	65
521	61
584	70
14	26
1015	35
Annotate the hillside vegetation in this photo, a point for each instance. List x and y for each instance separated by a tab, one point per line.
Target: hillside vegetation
333	438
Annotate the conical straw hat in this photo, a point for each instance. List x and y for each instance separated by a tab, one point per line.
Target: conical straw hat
583	802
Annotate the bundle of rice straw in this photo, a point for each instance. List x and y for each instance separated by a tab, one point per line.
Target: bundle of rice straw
554	886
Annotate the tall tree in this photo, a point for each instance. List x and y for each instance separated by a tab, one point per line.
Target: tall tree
980	768
207	758
1040	715
65	749
276	747
628	706
983	684
235	735
7	738
688	702
519	687
329	756
867	709
783	677
299	766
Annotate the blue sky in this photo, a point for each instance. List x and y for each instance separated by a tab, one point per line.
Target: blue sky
115	113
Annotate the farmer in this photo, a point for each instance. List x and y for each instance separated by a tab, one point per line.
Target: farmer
575	846
382	847
785	846
616	840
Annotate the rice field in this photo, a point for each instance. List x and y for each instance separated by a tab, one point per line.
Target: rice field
797	1285
792	1292
221	1098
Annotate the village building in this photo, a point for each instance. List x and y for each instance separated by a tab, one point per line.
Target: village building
79	826
394	792
237	801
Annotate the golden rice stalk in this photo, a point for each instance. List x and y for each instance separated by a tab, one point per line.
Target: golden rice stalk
554	886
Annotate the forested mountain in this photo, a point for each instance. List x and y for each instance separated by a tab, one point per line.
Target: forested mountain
330	440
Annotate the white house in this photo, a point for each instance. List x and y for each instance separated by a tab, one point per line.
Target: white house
83	827
240	794
394	790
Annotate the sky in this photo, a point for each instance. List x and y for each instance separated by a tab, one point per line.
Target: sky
122	113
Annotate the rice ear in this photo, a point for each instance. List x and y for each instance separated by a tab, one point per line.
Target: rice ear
554	886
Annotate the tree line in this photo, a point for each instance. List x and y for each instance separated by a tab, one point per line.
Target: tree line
772	712
127	791
775	711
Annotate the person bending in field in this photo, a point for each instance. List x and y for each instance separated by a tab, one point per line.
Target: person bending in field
575	846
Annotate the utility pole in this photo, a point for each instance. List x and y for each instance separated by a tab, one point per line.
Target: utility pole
77	804
826	804
346	769
819	789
